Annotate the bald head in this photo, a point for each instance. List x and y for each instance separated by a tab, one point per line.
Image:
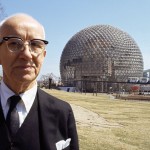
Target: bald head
18	21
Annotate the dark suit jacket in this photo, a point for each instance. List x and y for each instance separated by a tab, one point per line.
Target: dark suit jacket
49	121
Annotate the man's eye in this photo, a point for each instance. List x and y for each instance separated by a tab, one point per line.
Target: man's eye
14	43
36	44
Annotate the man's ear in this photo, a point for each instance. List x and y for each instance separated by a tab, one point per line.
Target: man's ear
44	54
0	54
0	57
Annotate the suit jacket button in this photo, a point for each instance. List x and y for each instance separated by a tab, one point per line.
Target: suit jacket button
11	145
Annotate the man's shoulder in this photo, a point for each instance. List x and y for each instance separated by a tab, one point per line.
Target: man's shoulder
52	100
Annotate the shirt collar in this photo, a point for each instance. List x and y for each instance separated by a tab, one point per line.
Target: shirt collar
27	97
5	93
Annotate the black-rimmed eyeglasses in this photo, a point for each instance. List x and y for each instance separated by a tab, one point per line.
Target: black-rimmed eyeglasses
16	44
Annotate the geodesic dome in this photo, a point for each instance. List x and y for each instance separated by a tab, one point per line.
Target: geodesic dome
101	53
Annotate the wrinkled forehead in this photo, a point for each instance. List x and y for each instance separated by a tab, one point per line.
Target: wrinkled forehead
21	25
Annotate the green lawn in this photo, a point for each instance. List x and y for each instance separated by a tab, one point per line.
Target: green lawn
133	116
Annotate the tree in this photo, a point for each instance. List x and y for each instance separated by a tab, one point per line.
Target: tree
49	80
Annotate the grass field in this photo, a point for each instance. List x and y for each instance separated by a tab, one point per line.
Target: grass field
133	117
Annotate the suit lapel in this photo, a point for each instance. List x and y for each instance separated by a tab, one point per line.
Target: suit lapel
48	121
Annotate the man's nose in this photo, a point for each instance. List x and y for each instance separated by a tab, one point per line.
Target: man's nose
26	51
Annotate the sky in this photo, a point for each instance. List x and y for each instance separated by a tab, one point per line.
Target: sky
64	18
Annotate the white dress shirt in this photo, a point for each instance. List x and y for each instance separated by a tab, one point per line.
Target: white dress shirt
24	106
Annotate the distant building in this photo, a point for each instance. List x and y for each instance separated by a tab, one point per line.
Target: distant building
146	73
100	53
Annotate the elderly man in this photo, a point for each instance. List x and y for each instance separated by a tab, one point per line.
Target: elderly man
30	119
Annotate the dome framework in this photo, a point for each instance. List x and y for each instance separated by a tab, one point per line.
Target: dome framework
100	53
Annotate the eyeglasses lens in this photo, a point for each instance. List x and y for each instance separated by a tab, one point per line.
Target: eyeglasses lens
37	46
15	44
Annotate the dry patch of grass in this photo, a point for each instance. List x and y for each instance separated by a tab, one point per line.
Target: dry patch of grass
133	116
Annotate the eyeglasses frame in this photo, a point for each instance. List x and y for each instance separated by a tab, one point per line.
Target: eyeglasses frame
5	39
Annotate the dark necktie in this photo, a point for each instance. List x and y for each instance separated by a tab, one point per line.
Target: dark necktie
12	119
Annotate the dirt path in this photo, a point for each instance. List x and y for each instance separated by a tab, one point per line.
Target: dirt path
85	117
